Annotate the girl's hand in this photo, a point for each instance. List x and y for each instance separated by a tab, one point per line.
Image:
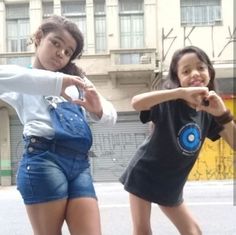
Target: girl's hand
216	105
70	81
194	95
91	99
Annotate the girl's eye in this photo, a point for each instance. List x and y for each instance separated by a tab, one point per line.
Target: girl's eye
185	72
202	67
55	43
68	53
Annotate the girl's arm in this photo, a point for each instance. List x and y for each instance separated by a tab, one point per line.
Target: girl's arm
31	81
218	109
18	79
108	114
192	95
229	134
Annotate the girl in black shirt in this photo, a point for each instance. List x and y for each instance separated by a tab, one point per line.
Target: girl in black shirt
183	117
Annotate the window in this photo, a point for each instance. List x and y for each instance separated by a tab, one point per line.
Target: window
76	11
131	27
100	26
200	12
47	9
18	31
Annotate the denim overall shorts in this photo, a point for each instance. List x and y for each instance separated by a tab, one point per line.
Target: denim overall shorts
58	168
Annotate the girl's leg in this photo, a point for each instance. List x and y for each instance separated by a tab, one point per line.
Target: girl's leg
47	218
182	219
140	212
82	216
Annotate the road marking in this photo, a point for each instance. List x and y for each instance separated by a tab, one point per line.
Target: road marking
189	204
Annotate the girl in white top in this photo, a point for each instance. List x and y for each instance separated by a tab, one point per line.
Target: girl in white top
54	174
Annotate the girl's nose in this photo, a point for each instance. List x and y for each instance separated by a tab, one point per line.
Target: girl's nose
60	53
194	73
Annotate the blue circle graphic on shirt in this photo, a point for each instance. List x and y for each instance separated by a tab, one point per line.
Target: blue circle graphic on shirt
189	138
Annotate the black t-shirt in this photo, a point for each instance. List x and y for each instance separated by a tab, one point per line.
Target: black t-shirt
161	165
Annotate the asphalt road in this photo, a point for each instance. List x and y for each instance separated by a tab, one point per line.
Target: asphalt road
212	202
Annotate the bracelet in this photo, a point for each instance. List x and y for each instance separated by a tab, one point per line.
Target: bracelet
225	118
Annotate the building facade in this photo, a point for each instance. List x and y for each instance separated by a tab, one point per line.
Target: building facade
128	48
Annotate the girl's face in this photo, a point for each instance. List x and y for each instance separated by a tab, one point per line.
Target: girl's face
192	72
54	50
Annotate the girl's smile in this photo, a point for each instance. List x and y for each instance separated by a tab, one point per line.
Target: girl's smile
197	82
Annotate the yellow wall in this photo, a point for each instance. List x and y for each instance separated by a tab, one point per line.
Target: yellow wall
216	160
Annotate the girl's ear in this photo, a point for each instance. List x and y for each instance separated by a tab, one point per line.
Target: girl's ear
38	37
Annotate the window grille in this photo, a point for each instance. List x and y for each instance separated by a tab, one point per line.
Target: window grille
17	30
73	8
47	9
131	26
100	26
99	7
132	32
17	11
200	12
131	6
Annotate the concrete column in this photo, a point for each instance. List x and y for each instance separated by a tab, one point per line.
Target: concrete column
5	156
90	29
57	7
35	15
150	23
2	27
112	18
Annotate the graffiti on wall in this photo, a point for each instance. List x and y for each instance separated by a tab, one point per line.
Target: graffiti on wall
112	151
168	39
216	161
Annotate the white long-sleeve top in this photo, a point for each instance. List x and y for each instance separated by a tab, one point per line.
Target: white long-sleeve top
25	90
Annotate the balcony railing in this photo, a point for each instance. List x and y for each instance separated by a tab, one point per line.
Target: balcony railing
132	59
19	58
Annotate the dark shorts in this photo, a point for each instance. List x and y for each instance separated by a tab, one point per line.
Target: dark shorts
45	176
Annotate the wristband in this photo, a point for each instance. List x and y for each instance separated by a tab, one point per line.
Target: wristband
225	118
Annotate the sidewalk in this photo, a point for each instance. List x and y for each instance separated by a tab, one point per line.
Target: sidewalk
210	201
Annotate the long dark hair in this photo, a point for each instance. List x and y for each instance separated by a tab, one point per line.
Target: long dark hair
73	69
173	80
